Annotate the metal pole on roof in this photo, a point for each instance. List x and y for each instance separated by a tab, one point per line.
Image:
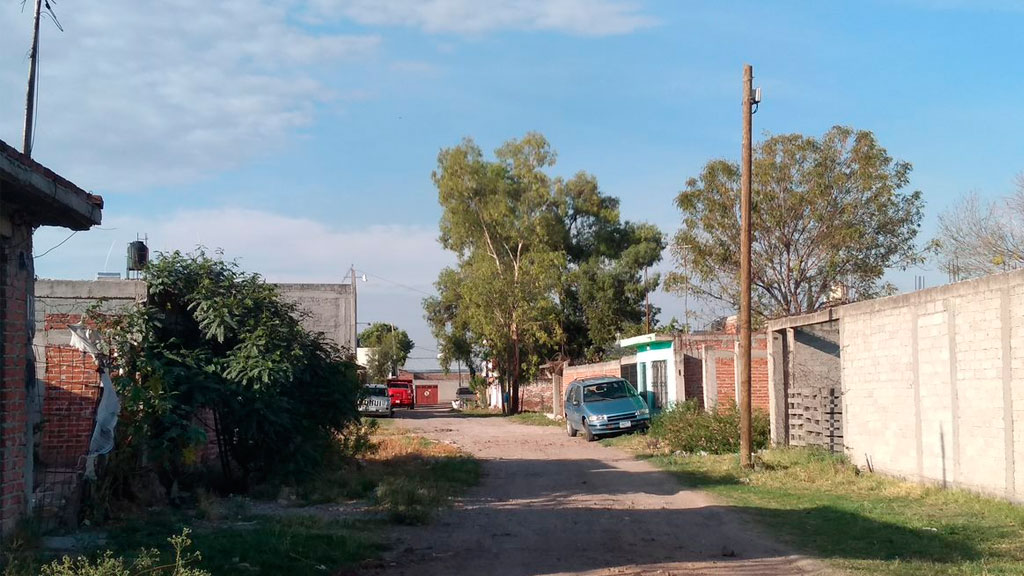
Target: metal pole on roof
30	98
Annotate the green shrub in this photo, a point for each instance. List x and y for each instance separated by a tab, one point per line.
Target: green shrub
216	348
687	428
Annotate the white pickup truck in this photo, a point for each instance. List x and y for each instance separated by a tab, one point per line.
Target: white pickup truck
376	401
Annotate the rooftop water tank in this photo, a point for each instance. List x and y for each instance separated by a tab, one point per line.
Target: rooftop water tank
138	255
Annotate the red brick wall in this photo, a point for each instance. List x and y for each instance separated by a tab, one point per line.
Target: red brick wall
16	287
69	404
537	397
694	350
759	383
693	379
725	375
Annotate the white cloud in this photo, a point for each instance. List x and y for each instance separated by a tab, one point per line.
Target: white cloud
401	262
581	17
281	248
142	94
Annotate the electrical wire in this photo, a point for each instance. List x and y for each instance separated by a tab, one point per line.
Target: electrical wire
55	247
399	284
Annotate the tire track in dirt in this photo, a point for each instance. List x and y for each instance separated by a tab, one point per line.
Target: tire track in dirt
554	505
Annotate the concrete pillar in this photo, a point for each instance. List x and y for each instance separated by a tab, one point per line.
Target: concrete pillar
777	388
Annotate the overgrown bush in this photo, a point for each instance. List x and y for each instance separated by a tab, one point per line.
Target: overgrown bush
688	428
216	349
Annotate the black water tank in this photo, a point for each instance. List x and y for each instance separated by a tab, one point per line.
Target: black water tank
138	255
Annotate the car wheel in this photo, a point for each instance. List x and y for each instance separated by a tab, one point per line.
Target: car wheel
587	433
569	428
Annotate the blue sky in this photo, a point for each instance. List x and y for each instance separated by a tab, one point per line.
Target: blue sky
300	135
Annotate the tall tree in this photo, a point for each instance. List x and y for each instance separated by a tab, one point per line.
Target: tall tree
451	329
603	292
978	237
501	219
827	211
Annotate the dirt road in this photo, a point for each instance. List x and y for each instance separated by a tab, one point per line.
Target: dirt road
550	504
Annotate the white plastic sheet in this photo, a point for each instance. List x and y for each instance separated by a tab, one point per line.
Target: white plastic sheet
88	340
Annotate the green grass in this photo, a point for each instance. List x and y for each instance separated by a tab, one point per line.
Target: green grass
534	419
259	545
530	418
860	522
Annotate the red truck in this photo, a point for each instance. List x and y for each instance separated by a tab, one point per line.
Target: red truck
401	392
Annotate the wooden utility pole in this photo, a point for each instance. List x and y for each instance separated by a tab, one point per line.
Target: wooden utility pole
30	98
745	245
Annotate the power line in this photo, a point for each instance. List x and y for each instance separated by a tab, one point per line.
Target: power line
399	284
55	247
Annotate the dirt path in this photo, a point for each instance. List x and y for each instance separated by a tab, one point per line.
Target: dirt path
550	504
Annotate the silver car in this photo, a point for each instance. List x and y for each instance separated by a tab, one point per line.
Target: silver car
376	401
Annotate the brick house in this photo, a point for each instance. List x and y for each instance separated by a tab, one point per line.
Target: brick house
31	195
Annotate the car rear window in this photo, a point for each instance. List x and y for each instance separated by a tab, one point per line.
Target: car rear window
402	385
463	391
607	391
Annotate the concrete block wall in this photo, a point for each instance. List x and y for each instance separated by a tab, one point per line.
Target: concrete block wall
16	278
330	308
933	383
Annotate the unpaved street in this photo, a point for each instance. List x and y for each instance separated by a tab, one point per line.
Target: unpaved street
550	504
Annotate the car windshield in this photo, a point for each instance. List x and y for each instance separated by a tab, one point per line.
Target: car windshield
377	390
608	391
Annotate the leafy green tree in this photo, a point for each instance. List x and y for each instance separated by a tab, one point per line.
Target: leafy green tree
391	348
214	347
827	212
603	292
501	218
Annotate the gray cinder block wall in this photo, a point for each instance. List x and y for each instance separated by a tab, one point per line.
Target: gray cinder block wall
331	309
932	383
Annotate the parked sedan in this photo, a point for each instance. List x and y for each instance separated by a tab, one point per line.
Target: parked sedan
376	401
598	406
